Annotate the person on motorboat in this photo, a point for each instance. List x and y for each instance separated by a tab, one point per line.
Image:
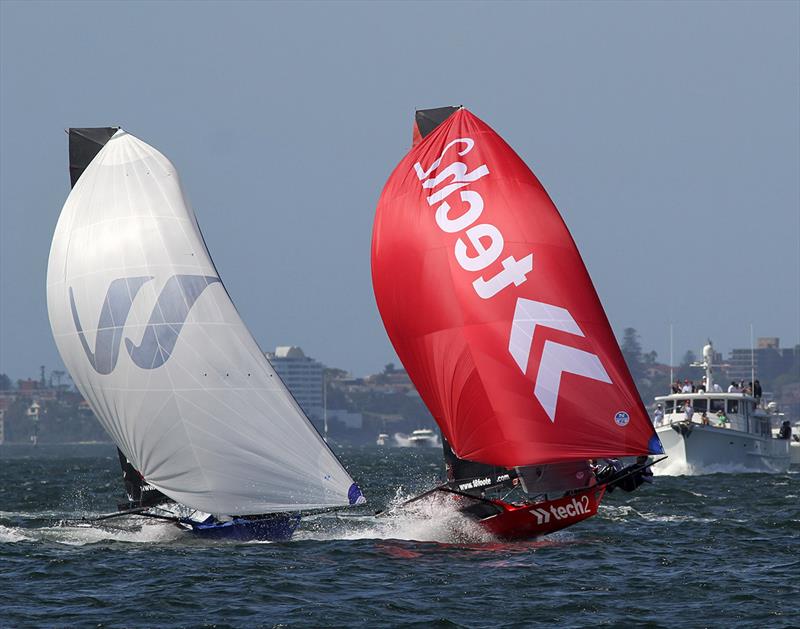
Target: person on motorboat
658	415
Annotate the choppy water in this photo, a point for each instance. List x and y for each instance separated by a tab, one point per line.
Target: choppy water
715	550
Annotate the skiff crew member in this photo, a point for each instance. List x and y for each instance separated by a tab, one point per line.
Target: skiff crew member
721	419
645	475
626	478
786	430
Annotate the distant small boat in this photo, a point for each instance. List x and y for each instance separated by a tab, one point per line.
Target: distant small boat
420	438
208	435
383	439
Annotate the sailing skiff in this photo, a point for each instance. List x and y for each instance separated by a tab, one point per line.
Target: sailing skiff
208	435
491	310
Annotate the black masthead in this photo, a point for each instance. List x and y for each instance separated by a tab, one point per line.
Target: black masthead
84	144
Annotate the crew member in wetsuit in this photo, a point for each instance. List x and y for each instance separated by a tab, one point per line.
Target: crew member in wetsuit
785	431
627	478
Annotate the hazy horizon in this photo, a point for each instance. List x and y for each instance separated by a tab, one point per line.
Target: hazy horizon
668	135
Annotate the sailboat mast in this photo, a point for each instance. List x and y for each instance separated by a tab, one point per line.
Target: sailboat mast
325	405
752	358
671	361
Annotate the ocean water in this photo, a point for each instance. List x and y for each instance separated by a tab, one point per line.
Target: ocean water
704	551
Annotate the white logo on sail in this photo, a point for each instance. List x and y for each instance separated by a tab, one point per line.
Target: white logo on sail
481	244
556	358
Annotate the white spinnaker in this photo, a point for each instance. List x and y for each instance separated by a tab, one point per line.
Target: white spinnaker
213	427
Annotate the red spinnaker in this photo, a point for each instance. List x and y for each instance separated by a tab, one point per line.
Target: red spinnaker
492	312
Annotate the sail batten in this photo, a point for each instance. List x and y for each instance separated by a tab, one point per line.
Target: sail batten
152	340
490	307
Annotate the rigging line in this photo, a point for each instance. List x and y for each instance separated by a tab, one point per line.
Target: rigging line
117	514
409	501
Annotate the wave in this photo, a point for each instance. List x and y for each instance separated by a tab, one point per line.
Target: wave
621	513
10	535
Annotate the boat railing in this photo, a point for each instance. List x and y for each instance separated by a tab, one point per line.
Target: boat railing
712	423
753	425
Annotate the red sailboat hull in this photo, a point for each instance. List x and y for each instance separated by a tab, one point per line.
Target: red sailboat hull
535	519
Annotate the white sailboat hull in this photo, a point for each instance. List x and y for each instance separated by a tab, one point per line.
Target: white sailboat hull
701	449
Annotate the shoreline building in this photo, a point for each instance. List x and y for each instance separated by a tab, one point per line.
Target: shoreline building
302	375
768	358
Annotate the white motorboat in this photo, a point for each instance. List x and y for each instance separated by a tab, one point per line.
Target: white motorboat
420	438
717	431
383	439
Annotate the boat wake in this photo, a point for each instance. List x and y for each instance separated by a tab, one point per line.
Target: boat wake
77	533
9	535
680	468
430	520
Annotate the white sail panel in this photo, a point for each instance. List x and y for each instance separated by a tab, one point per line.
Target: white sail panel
157	348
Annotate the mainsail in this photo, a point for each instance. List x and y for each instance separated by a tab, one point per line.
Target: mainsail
491	310
155	345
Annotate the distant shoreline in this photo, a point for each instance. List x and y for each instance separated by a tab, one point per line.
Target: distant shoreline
78	449
56	443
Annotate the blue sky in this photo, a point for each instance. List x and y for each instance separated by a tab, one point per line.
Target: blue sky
668	135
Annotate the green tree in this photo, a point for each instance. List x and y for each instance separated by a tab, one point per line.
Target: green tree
5	382
632	352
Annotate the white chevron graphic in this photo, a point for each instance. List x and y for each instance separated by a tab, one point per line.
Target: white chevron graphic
556	358
542	516
527	315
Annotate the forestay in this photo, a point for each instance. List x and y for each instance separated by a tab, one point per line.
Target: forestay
155	345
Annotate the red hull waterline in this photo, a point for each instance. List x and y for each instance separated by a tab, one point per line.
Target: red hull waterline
536	519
